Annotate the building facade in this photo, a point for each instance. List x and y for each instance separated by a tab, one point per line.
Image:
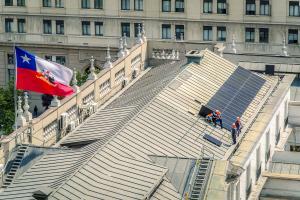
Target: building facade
255	25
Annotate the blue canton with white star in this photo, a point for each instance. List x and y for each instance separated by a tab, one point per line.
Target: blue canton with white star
25	60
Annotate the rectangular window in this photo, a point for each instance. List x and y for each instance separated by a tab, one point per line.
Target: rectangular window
179	32
85	4
20	2
221	33
125	28
166	5
207	6
10	59
86	28
11	74
293	36
166	31
207	33
263	35
61	60
8	2
99	28
60	27
125	4
294	8
249	35
47	26
138	4
8	25
119	76
250	7
264	8
136	27
59	4
179	6
21	26
46	3
105	87
98	4
221	7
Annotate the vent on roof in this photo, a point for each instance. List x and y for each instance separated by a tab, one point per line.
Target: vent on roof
42	193
204	111
270	69
213	140
194	56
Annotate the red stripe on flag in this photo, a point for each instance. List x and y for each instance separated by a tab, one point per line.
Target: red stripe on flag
34	81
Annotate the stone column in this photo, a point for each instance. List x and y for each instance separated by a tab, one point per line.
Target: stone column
108	63
74	81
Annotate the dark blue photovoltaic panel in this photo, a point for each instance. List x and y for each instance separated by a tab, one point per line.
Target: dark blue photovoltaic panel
212	140
234	97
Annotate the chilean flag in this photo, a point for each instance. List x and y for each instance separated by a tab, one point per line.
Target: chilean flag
38	75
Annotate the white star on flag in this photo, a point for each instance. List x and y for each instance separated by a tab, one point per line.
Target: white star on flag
25	59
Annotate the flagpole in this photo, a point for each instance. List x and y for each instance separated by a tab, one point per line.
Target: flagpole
15	88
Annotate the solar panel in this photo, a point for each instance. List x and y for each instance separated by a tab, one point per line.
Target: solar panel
212	140
235	95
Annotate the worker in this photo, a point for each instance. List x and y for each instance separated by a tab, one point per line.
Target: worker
217	118
233	133
209	117
238	125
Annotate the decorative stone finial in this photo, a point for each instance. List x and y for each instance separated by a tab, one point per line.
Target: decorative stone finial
121	48
27	114
139	39
126	51
108	63
74	81
143	33
233	45
21	121
92	75
284	48
55	102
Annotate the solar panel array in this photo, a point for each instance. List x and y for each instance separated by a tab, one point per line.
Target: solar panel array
233	98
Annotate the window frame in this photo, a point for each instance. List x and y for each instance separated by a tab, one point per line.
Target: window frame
125	28
207	33
179	9
209	5
251	39
250	4
60	25
101	30
220	9
21	21
125	4
220	37
166	31
138	5
264	8
98	4
59	4
46	29
86	28
47	3
294	9
179	28
168	7
85	4
21	3
295	35
8	3
9	23
265	32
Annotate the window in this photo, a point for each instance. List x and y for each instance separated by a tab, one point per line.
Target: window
207	33
221	33
258	163
166	31
179	6
263	35
294	8
136	27
85	4
8	25
207	6
250	7
248	181
60	27
8	2
267	147
125	4
20	2
11	74
99	28
86	28
21	26
105	87
293	36
166	5
10	59
138	5
264	7
98	4
179	32
59	4
119	76
60	60
221	7
48	58
250	35
46	3
277	129
47	26
125	28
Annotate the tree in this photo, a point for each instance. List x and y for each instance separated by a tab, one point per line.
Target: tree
7	108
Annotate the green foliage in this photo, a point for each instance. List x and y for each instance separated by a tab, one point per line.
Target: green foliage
81	78
7	108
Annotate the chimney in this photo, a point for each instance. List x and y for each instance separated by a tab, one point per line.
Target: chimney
194	56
